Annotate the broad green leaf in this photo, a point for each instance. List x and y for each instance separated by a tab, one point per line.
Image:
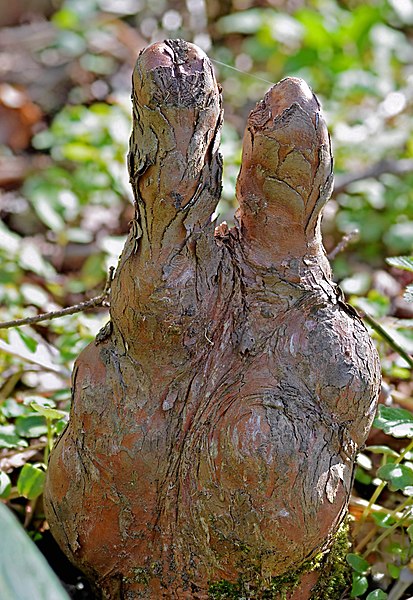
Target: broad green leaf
31	425
24	572
49	413
398	476
377	595
360	585
31	481
356	562
5	485
9	437
401	262
397	422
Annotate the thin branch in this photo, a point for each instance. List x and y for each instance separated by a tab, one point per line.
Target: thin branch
69	310
342	245
387	337
394	167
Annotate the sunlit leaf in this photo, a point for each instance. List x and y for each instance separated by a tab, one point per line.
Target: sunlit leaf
49	413
401	262
385	450
9	438
397	422
31	481
398	476
5	485
31	426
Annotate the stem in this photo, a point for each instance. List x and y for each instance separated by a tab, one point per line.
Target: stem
387	337
391	514
379	490
49	444
388	531
69	310
343	243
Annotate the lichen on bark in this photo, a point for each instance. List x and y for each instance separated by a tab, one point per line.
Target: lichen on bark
215	424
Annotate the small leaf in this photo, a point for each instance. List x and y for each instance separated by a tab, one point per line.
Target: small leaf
29	342
5	485
410	532
397	422
383	520
359	564
31	481
398	476
31	426
360	585
385	450
377	595
401	262
394	570
49	413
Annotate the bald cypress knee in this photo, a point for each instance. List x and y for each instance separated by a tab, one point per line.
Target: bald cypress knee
216	420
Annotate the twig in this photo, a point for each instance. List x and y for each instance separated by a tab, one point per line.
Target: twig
342	245
394	167
69	310
387	337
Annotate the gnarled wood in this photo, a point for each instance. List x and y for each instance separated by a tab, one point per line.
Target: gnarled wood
215	422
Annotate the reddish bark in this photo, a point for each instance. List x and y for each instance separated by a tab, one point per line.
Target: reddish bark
216	420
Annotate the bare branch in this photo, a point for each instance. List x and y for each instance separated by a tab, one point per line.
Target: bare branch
343	243
69	310
394	167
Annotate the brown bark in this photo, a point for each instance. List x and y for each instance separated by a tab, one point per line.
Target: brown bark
215	422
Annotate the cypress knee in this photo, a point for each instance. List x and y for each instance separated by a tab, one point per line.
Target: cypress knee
216	419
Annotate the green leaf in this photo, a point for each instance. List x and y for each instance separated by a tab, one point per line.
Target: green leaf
29	342
397	422
377	595
31	481
49	413
24	572
31	426
394	570
410	532
383	520
357	563
401	262
9	437
5	485
398	476
385	450
11	409
360	585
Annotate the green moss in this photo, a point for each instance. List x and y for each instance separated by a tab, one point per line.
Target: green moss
334	577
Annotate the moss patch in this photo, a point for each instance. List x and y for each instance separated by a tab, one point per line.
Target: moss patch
334	577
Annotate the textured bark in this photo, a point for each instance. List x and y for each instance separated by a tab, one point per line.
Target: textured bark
216	419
